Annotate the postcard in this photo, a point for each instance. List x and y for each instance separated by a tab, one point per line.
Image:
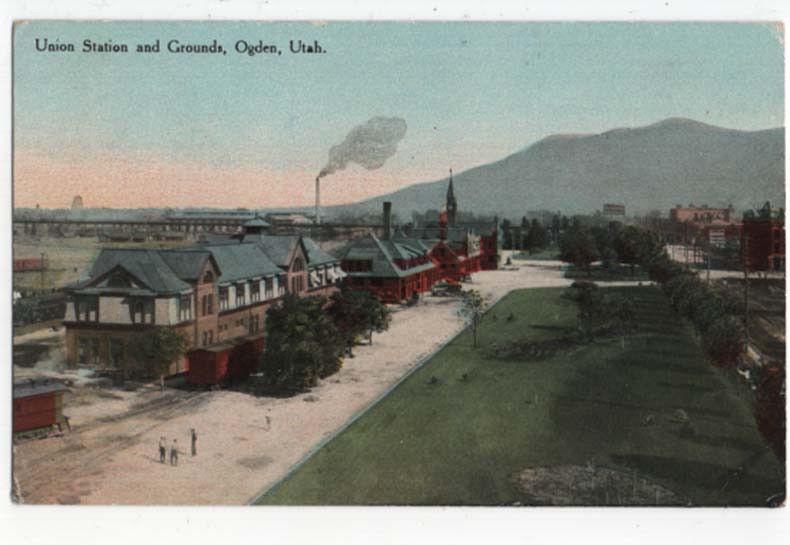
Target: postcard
398	263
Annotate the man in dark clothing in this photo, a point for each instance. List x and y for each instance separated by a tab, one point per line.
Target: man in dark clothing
174	453
194	442
162	449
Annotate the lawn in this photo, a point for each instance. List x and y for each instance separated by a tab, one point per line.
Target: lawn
461	441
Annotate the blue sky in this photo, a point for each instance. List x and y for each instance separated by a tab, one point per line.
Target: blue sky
469	92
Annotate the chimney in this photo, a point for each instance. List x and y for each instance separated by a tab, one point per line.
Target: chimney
387	220
317	201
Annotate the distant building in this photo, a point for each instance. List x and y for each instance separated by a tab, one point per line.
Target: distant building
76	203
763	240
614	210
701	215
278	219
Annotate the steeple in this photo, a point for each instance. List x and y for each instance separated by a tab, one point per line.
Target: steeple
452	204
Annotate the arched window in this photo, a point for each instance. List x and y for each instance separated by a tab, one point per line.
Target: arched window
208	277
298	264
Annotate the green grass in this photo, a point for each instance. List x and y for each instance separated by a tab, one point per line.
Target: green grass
598	274
459	442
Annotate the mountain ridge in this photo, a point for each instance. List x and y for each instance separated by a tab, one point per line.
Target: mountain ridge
672	161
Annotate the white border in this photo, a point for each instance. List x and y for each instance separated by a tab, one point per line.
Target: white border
121	525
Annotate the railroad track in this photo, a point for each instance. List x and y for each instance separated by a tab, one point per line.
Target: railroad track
73	461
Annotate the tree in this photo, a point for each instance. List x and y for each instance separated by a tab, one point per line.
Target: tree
577	246
524	238
555	227
507	235
302	345
590	302
724	341
472	309
357	312
626	245
537	239
153	351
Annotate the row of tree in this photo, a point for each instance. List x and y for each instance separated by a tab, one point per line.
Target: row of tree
307	337
530	236
581	244
716	315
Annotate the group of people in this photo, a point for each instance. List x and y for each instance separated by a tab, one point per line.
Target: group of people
174	448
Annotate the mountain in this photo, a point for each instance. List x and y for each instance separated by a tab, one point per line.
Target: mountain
675	161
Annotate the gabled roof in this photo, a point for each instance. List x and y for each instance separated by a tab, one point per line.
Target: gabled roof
315	255
186	264
239	261
382	254
279	248
147	266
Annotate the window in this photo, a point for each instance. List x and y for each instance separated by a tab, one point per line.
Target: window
208	278
142	311
87	308
88	351
282	284
208	304
240	295
185	307
205	338
210	336
223	298
298	265
255	291
268	286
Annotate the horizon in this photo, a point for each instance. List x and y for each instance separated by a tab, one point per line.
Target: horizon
203	121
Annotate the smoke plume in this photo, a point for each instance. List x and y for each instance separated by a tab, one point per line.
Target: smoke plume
368	145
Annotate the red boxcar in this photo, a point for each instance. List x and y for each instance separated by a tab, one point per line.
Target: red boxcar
28	264
38	403
231	360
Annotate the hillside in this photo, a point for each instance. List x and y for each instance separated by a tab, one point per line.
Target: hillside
676	161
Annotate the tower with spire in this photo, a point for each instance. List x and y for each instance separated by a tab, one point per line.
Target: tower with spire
452	204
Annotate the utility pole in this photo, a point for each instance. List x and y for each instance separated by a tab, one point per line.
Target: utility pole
707	254
43	255
745	261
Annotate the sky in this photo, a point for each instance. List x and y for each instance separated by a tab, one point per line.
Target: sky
177	130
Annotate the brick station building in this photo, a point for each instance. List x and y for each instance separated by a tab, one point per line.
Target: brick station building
408	262
763	240
462	248
393	270
216	294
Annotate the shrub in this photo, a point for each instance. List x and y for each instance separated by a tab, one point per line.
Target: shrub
724	341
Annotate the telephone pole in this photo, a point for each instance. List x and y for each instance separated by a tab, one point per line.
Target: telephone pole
745	261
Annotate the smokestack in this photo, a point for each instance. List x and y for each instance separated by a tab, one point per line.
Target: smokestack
387	220
317	200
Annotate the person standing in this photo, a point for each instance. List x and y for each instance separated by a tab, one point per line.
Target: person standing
193	436
162	449
174	453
